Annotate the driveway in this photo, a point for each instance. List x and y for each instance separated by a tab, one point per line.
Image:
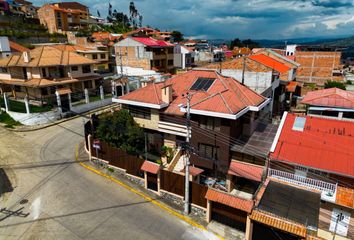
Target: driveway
47	195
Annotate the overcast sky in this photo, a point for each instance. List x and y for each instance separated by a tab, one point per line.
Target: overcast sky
256	19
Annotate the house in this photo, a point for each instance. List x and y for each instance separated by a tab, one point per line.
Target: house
183	57
8	48
144	53
100	55
64	17
149	32
330	103
318	67
40	72
317	153
27	8
219	104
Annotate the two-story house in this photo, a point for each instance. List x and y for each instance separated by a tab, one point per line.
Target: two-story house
40	72
144	53
221	108
317	153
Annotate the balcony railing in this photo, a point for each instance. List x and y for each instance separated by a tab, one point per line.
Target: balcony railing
328	190
173	128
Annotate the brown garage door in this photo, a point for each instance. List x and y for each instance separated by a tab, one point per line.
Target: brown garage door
229	216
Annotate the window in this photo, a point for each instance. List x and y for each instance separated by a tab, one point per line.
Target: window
170	50
202	84
88	84
139	112
74	68
210	123
170	62
44	91
86	69
299	124
17	88
94	56
3	70
208	151
103	56
157	63
44	73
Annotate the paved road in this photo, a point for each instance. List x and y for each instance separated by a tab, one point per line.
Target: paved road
65	201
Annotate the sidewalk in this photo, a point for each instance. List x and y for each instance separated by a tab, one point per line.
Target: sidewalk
133	185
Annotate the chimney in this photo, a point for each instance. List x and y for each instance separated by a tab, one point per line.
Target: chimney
26	57
166	93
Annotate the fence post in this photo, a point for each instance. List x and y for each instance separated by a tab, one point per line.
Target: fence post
70	104
87	98
101	92
27	105
6	102
59	103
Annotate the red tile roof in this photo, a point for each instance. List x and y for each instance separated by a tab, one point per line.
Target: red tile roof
229	200
100	36
150	167
15	47
246	170
331	97
194	171
151	42
324	144
226	95
291	87
270	62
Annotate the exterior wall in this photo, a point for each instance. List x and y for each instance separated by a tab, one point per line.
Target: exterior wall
325	221
128	57
149	123
5	76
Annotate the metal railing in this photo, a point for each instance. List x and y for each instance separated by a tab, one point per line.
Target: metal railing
303	181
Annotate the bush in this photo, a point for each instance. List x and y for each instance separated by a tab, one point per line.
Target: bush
332	84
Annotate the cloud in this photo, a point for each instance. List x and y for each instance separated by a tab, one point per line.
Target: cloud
256	19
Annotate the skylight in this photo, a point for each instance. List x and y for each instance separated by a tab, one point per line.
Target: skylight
202	84
299	124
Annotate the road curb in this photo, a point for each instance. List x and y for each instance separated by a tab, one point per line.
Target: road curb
146	197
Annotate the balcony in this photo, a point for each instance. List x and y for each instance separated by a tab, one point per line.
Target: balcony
172	128
328	190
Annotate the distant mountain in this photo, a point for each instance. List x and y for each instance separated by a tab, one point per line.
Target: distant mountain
343	41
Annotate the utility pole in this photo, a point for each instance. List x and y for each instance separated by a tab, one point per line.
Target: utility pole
243	70
340	217
186	155
146	152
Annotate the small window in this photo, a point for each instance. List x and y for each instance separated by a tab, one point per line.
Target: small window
74	68
88	84
44	73
17	88
170	62
86	69
44	91
94	56
103	56
208	151
3	70
299	124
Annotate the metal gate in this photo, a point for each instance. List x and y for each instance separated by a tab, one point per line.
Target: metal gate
152	181
229	216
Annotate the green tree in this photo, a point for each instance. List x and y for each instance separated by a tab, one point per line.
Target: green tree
177	36
120	130
332	84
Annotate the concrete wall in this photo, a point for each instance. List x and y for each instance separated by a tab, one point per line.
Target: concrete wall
147	123
34	118
90	106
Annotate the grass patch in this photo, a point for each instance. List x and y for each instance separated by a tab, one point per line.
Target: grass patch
16	106
8	121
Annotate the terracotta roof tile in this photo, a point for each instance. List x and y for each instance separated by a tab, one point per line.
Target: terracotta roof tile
225	95
194	171
345	196
270	62
150	167
324	144
229	200
291	87
251	65
15	47
331	97
246	170
279	223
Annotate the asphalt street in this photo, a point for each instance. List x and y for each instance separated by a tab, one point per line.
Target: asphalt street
50	196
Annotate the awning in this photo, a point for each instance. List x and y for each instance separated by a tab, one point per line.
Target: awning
246	170
194	171
229	200
150	167
291	87
63	91
279	223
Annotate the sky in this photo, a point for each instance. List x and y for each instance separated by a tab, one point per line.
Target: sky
228	19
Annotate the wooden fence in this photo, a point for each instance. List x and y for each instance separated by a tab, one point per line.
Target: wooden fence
170	181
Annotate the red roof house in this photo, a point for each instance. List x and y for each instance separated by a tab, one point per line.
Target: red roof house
316	143
151	42
331	97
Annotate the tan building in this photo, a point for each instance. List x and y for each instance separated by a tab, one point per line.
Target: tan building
99	54
145	53
63	17
40	72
